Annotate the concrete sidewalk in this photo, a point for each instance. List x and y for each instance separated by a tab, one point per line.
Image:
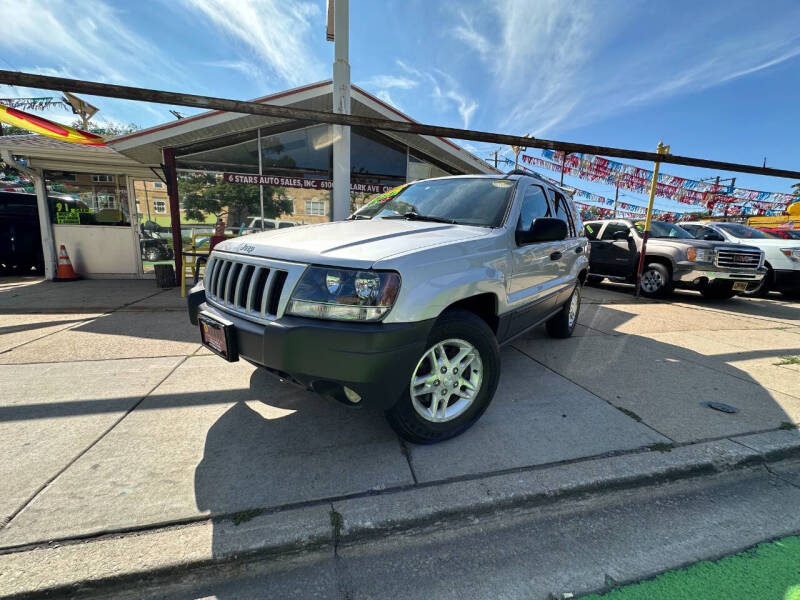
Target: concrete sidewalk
114	420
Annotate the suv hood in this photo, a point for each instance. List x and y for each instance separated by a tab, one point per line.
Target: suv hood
357	244
771	243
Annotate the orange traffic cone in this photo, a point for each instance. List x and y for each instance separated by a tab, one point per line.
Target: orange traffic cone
65	271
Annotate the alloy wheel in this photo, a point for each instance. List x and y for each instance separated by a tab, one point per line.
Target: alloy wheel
446	380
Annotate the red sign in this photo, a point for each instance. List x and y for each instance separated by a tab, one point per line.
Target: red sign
302	183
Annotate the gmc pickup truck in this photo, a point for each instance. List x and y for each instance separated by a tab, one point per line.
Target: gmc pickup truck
674	259
404	305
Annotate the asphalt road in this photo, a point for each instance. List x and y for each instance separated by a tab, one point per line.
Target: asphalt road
585	545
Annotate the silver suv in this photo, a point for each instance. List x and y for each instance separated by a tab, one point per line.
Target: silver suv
404	305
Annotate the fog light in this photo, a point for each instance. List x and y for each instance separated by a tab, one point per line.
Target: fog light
351	395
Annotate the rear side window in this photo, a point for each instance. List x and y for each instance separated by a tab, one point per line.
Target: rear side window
590	230
562	212
534	205
612	228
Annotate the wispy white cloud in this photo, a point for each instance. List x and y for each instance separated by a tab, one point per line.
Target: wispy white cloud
556	65
467	33
392	81
445	90
386	97
250	70
88	39
276	33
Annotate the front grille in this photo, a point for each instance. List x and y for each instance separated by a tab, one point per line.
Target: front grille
249	286
738	259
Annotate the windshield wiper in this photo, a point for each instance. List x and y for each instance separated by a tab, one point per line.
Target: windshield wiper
414	216
358	217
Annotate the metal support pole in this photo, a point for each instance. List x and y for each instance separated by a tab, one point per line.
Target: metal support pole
341	105
662	149
616	201
260	187
45	227
563	165
171	173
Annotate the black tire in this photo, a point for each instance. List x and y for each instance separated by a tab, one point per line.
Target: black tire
561	326
659	283
718	291
763	288
594	280
461	325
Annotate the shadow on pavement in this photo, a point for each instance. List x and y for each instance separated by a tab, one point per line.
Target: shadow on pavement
774	306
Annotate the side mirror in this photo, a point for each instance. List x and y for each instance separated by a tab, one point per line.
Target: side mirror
621	235
543	229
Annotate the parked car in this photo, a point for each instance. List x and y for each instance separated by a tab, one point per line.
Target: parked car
20	237
153	246
782	233
674	259
253	224
405	308
781	257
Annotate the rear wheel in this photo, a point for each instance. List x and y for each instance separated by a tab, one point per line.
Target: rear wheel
563	324
656	281
718	291
453	382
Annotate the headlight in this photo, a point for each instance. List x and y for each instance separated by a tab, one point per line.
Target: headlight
700	255
792	253
344	294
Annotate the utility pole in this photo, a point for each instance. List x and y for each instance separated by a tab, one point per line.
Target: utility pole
616	200
563	166
495	159
338	16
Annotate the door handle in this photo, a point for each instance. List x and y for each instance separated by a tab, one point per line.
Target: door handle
555	256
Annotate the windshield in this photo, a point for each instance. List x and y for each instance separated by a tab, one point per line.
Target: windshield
662	229
466	201
743	232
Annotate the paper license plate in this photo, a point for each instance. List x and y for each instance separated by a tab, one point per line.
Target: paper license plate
218	337
739	286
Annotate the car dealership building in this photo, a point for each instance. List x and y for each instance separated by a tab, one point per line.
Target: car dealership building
128	180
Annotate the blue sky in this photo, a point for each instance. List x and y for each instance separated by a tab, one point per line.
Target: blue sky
714	79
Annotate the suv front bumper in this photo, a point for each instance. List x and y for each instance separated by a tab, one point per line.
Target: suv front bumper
375	360
692	274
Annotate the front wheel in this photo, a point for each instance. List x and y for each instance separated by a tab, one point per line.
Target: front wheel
763	287
656	281
452	383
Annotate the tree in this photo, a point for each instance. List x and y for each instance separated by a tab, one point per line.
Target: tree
106	130
796	188
6	129
205	194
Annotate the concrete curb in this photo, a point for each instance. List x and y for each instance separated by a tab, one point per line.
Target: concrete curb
123	559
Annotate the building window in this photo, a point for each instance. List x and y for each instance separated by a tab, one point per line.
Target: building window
106	201
102	179
160	206
315	207
158	185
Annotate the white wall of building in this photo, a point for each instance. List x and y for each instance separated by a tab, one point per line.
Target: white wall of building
98	251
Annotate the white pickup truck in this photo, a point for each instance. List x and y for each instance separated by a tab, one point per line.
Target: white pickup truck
404	305
781	257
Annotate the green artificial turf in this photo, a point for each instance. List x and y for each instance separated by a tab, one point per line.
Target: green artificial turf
769	571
